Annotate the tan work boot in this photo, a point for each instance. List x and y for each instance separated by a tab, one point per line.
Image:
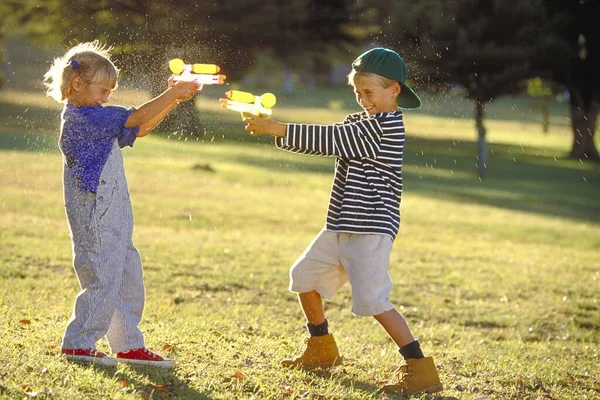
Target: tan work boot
319	351
418	375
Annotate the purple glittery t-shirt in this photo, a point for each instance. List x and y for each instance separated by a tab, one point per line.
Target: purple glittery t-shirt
87	137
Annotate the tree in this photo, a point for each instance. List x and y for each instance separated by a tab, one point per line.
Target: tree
147	33
538	88
485	46
15	18
572	58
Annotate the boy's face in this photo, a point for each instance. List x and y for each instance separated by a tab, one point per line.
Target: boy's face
374	98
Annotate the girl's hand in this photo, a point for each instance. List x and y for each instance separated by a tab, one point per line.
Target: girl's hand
185	90
263	126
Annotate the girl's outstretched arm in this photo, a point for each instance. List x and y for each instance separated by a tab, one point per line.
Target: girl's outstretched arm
149	114
150	125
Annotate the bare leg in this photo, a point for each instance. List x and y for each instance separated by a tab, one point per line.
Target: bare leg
395	325
312	305
319	350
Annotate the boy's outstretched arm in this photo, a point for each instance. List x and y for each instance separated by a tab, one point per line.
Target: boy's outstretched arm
352	140
153	112
263	126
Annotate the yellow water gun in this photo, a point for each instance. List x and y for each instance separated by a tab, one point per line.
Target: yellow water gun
204	74
246	102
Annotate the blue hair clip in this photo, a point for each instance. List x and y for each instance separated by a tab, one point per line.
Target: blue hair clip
74	64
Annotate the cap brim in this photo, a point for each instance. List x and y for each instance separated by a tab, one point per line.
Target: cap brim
408	98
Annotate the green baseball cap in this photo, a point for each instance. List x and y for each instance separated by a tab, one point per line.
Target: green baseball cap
389	64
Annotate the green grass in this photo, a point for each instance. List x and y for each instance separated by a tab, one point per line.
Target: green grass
499	279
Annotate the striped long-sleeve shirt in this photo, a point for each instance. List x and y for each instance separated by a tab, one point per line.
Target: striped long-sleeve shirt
367	186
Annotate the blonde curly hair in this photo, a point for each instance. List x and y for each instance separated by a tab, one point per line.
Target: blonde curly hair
90	61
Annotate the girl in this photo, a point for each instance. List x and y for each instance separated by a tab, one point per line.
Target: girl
98	207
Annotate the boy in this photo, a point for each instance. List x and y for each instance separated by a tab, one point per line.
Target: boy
363	217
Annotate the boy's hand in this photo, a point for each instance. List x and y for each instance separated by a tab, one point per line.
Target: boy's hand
185	90
263	126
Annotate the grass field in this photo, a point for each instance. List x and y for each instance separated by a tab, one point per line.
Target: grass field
500	279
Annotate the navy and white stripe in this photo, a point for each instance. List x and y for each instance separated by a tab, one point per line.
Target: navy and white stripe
367	186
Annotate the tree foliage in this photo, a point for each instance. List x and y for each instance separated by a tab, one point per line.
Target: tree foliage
145	34
16	17
485	46
226	32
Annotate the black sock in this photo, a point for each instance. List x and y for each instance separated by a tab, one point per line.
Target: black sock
411	350
318	330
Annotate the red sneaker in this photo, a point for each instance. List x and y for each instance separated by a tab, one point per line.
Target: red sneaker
91	356
144	356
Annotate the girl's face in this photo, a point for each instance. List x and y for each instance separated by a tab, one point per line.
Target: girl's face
90	94
374	98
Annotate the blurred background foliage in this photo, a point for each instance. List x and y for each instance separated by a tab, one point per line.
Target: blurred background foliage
480	49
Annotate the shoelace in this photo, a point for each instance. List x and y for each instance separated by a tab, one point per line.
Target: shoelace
95	352
401	372
150	353
303	345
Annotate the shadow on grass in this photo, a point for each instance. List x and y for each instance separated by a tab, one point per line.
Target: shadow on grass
530	180
535	180
353	383
370	388
164	383
583	383
518	179
400	396
28	128
149	382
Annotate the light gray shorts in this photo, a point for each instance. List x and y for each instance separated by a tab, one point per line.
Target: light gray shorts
333	258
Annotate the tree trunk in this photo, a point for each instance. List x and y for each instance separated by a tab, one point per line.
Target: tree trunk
3	78
482	147
583	121
545	113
